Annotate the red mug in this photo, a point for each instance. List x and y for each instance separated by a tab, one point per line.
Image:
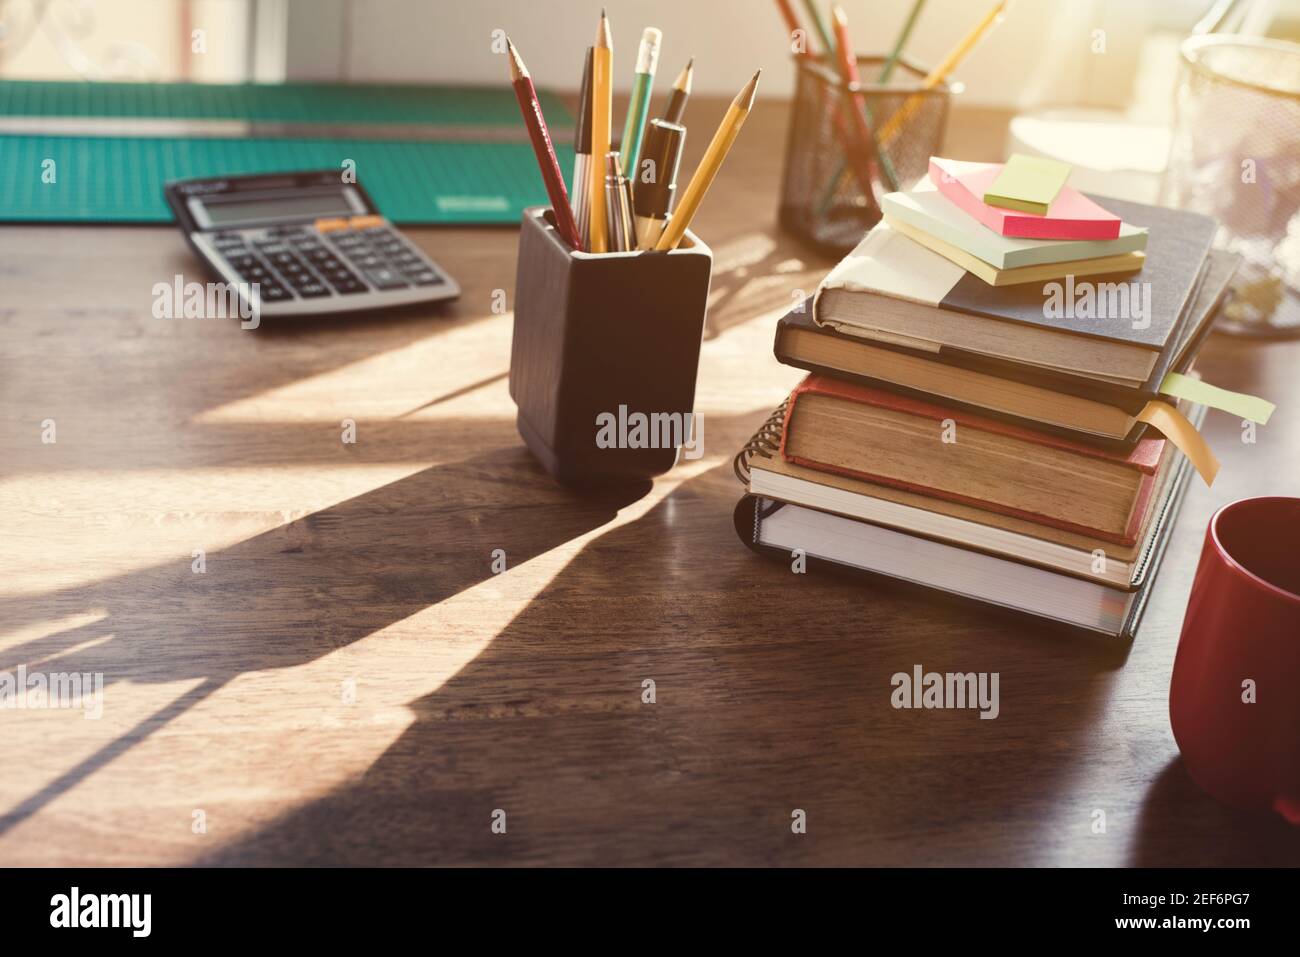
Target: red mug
1234	701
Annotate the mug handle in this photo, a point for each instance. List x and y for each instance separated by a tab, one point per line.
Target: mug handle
1289	808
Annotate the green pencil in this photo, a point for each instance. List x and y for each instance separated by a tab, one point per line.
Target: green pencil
827	43
894	54
647	58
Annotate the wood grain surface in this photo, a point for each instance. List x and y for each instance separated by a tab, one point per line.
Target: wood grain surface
348	682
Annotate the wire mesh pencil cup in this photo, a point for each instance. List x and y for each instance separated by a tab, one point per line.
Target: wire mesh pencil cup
830	194
1236	156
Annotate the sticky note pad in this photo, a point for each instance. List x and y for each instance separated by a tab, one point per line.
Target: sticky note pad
1028	184
1071	215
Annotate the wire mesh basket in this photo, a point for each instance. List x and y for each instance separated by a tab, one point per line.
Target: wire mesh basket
833	180
1236	156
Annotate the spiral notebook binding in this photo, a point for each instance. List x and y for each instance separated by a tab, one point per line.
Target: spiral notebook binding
766	442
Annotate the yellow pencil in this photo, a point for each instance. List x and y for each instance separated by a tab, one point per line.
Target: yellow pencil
708	168
602	71
942	71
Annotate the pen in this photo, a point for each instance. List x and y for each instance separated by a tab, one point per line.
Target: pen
652	201
618	211
625	210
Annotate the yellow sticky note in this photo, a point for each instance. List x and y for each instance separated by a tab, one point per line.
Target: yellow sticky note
1238	403
1028	183
1175	427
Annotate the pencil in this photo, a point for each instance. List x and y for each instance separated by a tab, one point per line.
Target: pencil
792	24
708	168
859	113
887	70
941	72
862	154
647	59
818	25
543	148
962	49
582	157
681	93
602	66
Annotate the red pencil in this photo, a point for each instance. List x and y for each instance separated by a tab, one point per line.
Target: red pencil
565	224
854	105
860	171
792	23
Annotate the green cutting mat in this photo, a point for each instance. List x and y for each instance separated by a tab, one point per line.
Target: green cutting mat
120	179
283	102
103	179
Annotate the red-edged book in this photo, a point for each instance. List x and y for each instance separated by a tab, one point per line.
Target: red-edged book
949	453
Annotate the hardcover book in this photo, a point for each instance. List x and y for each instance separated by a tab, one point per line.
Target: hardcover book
891	439
893	289
855	547
1088	409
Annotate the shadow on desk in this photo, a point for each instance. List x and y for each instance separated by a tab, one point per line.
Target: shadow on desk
771	693
302	590
1165	838
771	690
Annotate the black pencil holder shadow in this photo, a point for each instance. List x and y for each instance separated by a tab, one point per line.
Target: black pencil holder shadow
825	199
604	355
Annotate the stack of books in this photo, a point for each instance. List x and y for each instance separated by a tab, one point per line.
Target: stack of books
976	417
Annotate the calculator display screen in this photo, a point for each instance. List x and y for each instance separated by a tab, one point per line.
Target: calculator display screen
281	206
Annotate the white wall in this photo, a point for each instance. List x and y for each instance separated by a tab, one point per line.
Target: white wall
1041	53
124	40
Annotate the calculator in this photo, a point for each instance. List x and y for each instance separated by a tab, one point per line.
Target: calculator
312	243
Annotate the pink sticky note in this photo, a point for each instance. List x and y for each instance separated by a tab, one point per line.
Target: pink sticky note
1071	215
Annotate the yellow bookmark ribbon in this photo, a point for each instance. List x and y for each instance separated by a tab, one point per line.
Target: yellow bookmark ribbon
1175	427
1238	403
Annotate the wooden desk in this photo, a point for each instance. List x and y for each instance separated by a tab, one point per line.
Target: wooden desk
348	681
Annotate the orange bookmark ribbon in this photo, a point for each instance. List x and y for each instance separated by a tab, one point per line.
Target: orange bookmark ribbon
1175	427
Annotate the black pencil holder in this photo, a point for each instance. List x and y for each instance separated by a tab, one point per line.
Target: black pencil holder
603	340
824	199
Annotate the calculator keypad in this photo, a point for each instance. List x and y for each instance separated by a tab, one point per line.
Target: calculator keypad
343	257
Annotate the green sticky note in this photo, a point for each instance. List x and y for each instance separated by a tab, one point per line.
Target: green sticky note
1236	403
1028	183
